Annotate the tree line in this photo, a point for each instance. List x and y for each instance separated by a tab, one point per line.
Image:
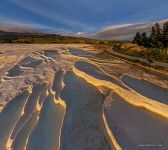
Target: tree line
157	38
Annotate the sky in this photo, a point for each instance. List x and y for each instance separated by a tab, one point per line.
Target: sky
79	16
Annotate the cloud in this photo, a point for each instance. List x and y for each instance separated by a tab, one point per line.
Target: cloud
124	31
16	26
80	34
51	13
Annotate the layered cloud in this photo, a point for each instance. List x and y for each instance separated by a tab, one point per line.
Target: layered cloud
124	31
82	17
55	12
12	26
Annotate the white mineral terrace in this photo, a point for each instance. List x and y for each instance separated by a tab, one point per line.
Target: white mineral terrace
77	97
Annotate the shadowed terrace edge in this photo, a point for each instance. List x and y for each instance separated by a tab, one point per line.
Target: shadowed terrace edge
72	97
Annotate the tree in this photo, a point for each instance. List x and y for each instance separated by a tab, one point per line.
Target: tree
157	39
137	38
158	31
144	40
153	37
156	36
165	35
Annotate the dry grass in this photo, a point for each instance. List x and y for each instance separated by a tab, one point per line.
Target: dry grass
132	47
7	59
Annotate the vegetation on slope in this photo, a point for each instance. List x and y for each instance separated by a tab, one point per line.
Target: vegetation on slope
33	38
158	37
153	47
140	51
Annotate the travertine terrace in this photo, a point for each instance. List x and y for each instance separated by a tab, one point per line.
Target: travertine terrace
77	97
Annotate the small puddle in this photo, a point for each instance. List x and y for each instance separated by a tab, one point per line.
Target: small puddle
93	71
46	134
29	107
14	71
83	127
82	53
147	89
135	128
27	60
33	64
50	53
57	84
10	115
20	140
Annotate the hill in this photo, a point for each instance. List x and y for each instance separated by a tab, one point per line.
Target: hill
42	38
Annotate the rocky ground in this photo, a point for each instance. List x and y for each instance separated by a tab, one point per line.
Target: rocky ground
76	97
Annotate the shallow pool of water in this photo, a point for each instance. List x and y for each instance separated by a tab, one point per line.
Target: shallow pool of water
147	88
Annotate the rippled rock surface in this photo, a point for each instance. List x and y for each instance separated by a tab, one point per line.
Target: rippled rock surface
78	99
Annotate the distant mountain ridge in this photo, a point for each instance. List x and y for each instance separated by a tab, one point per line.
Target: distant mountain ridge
44	38
38	34
115	32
